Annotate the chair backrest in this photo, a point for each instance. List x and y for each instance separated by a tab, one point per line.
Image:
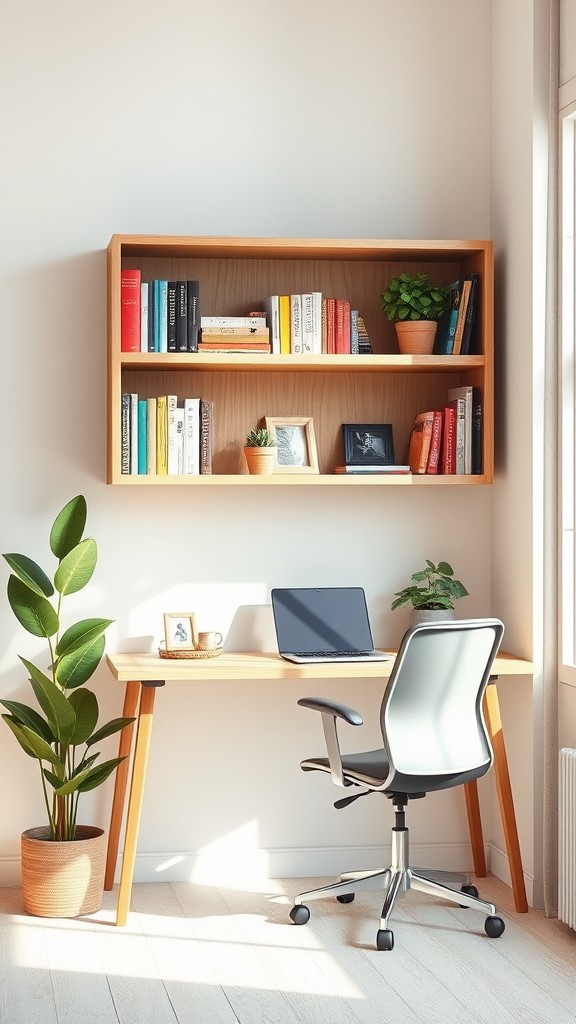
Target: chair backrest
431	715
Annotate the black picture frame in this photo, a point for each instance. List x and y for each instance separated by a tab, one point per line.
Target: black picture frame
368	444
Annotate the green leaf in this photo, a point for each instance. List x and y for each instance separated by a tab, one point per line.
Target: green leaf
31	742
99	775
76	567
54	704
108	730
76	668
68	527
52	779
85	706
445	569
33	612
28	716
31	574
82	633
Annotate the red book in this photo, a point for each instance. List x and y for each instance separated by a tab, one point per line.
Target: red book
435	445
330	326
420	438
130	281
449	441
342	327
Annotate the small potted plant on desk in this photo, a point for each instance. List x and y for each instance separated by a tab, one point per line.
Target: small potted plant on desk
63	862
260	451
415	305
432	593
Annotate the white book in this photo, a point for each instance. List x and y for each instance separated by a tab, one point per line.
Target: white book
151	414
144	316
272	308
172	466
307	299
133	433
465	394
180	440
191	436
296	325
317	323
231	321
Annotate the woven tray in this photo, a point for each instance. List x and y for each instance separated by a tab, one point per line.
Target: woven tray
189	654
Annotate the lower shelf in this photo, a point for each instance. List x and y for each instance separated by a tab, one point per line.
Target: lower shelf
294	480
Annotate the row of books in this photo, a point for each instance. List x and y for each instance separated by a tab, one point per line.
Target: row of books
455	332
449	440
313	324
159	437
157	315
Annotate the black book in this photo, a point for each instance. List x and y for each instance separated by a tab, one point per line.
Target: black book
171	342
181	316
467	346
152	299
193	314
476	431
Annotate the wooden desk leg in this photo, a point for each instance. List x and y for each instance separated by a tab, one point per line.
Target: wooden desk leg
504	790
475	828
124	747
141	749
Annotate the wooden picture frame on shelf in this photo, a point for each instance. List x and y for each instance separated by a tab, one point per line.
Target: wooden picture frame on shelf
368	444
296	443
180	631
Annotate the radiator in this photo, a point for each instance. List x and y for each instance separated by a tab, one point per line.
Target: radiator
567	837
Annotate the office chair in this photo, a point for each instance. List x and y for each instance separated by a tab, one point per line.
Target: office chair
434	737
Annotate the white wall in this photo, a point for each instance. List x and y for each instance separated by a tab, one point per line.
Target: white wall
232	119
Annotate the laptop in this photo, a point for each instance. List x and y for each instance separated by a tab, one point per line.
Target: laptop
323	624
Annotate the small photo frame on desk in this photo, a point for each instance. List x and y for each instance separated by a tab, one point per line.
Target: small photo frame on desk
296	443
368	444
180	631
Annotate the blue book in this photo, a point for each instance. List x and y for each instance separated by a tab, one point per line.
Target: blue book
142	434
163	316
444	341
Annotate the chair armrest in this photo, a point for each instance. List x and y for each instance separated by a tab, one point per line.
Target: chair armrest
338	710
331	711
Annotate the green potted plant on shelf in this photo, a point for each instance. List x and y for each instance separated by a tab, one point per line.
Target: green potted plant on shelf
62	862
414	304
432	593
260	451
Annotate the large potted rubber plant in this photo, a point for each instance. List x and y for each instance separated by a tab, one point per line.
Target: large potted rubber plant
62	862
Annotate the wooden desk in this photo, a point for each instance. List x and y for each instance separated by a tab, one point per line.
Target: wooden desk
143	673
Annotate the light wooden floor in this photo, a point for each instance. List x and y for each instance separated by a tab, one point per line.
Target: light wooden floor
205	955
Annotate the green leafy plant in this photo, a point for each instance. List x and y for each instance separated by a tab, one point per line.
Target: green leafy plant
62	737
259	438
414	298
434	588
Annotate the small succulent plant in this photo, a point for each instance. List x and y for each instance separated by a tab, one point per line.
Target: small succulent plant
260	437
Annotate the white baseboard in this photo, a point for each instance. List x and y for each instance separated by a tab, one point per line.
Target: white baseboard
255	866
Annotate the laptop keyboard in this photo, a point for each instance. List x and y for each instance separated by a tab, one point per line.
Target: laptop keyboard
329	654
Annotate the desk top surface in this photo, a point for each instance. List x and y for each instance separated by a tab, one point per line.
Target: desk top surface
265	665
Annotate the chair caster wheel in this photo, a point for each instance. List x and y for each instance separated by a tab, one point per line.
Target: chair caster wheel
470	890
348	897
494	926
300	914
385	939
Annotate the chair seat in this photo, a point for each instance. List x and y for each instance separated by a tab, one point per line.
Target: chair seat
371	768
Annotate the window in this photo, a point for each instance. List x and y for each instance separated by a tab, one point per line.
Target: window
568	395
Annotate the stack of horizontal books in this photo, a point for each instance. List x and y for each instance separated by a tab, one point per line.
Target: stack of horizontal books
234	334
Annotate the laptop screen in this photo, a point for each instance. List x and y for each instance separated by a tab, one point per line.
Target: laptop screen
309	619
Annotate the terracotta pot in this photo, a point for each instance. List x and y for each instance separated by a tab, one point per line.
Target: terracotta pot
63	879
418	615
260	460
416	337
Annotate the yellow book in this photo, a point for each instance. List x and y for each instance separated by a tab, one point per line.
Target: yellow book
151	419
162	435
284	316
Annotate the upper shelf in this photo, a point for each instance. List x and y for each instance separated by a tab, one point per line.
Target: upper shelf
321	364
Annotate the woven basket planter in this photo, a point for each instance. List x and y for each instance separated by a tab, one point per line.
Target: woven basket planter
63	879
